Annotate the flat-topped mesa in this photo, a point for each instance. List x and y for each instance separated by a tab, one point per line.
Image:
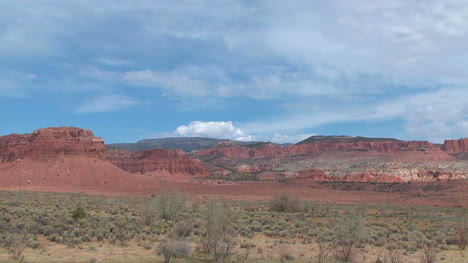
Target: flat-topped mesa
391	146
456	146
264	150
156	160
318	144
48	143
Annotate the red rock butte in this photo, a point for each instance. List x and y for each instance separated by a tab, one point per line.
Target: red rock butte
456	146
74	156
48	143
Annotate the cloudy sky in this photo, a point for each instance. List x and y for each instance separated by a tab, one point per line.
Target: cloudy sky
248	70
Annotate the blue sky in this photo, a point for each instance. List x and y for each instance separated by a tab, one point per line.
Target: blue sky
249	70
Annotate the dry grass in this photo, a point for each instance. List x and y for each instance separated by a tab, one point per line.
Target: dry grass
114	230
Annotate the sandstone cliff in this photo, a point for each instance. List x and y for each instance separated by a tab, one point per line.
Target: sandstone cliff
48	143
156	160
270	150
456	146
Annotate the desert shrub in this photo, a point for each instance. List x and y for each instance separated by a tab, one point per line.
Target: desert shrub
17	243
171	204
284	254
218	236
285	203
393	255
171	248
429	252
183	228
461	232
149	210
78	213
326	246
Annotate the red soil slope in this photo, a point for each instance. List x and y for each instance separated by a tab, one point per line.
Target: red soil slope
64	171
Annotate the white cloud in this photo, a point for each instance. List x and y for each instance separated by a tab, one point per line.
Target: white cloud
214	129
107	103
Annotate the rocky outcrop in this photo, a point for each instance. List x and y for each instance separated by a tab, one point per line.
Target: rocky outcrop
270	150
456	146
156	160
240	152
315	175
367	178
48	143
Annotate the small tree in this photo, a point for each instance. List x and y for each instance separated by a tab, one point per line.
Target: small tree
171	204
218	236
462	234
168	206
285	203
149	210
429	252
325	247
17	244
170	248
349	233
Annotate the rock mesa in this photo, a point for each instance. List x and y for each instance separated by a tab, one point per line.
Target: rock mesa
48	143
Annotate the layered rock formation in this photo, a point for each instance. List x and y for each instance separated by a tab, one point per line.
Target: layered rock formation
156	160
62	156
48	143
342	158
270	150
68	156
456	146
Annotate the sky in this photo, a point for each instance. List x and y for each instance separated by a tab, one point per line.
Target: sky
266	70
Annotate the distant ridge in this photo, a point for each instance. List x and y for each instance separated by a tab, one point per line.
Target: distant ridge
187	144
343	139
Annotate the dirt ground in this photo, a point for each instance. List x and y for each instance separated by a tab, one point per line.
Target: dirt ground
453	194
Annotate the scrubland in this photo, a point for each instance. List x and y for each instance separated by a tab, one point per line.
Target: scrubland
175	227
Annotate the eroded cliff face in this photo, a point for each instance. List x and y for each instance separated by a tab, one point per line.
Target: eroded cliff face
156	160
270	150
347	159
48	143
456	146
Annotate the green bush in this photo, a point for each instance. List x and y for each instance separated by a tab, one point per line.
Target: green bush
78	213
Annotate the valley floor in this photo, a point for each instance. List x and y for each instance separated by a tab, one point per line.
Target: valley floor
41	226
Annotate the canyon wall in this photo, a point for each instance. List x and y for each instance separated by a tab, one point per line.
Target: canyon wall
456	146
270	150
156	160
